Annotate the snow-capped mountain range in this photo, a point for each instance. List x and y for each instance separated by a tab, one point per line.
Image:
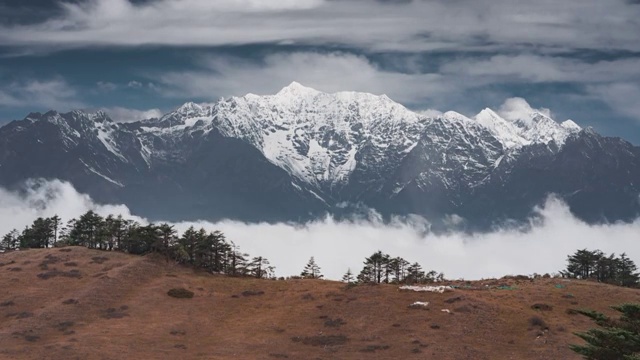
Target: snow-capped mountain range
302	152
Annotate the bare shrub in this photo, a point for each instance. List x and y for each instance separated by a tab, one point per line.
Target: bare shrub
279	356
542	307
374	348
180	293
54	273
99	259
454	299
21	315
536	321
321	340
334	322
113	313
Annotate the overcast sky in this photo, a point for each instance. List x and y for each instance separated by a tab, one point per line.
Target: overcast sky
578	58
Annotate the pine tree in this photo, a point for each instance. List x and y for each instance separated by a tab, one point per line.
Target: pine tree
167	239
348	277
55	224
615	339
375	268
627	272
415	274
311	270
260	268
585	264
398	268
10	241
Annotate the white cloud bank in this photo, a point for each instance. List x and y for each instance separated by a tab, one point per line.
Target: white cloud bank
338	245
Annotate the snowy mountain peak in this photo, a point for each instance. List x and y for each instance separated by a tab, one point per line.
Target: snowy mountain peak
506	132
189	109
296	89
570	125
455	116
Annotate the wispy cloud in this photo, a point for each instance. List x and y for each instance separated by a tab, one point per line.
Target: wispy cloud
49	94
538	68
621	97
338	245
327	72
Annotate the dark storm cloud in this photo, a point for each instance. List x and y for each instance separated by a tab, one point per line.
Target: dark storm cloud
375	25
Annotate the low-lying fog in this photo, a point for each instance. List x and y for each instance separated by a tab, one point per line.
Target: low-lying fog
338	245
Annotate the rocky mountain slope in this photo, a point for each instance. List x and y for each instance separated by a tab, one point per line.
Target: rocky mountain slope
301	153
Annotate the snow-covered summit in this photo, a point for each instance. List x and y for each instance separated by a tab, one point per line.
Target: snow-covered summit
321	138
534	128
314	135
505	131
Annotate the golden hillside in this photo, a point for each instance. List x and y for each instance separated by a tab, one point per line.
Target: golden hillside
75	303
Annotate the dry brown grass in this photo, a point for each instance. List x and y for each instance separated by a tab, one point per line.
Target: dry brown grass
123	312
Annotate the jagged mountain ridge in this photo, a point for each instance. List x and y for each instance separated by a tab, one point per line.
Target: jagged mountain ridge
306	152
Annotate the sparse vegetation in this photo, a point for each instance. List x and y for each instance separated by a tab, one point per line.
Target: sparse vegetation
99	259
536	321
338	322
27	336
55	273
180	293
296	318
279	356
542	307
454	299
113	313
321	340
20	315
374	348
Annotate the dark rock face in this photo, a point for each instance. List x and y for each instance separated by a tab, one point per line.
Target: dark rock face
173	169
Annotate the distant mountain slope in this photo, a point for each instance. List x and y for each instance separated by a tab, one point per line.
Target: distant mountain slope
301	152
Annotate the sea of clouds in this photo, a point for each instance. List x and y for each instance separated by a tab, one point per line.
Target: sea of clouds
338	245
